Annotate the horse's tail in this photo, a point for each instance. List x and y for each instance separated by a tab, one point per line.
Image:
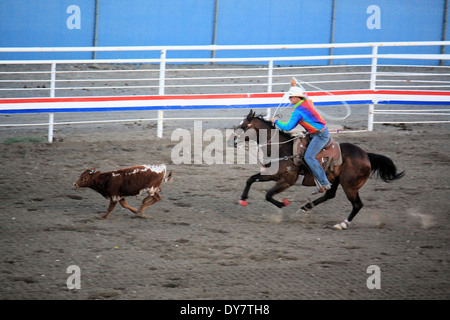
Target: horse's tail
384	167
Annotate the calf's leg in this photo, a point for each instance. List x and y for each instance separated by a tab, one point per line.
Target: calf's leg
125	204
111	206
148	201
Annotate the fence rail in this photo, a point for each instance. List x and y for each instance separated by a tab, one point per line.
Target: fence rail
24	82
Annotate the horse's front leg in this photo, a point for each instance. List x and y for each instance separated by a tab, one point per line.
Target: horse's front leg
279	187
250	181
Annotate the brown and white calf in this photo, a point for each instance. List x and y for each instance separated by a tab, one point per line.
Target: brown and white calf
132	181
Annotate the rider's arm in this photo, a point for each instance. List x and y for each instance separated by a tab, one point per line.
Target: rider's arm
295	118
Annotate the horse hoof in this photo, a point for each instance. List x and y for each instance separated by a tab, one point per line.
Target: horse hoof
341	226
286	202
302	210
243	203
337	227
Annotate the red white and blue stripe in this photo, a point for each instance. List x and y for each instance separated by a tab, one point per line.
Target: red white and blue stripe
216	101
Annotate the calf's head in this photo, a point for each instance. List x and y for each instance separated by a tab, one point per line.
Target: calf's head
86	178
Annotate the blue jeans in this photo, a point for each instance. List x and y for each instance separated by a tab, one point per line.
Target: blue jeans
317	143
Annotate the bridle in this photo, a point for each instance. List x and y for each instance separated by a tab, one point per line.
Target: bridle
269	142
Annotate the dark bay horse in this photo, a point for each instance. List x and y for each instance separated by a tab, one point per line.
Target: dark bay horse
357	166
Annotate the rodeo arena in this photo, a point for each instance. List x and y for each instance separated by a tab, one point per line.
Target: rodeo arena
141	162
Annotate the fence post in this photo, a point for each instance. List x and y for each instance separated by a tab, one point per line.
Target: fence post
373	83
269	86
52	95
162	77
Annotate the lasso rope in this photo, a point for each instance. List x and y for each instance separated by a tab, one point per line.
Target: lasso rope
325	115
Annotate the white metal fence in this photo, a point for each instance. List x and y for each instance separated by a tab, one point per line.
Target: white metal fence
115	78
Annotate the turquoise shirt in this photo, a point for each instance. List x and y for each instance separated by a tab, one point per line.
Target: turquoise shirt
304	114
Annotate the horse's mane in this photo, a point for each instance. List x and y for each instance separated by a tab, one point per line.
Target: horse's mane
287	135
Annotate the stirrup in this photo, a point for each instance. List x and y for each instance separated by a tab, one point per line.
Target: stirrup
321	190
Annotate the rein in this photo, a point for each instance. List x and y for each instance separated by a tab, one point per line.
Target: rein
269	142
260	158
285	158
278	159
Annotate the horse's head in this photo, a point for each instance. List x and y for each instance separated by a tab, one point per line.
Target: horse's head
248	129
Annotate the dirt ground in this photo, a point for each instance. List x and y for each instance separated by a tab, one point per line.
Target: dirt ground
198	243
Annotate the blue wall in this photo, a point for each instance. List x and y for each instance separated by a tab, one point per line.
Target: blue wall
160	23
274	22
405	20
43	23
54	23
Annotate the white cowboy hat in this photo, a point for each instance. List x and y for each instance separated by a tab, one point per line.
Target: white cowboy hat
295	92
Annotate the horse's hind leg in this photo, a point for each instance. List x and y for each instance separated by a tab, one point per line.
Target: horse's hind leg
329	194
353	197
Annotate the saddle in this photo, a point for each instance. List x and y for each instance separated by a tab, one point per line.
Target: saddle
329	157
